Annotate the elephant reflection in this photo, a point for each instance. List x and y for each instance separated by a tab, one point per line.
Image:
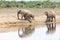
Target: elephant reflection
52	30
26	31
51	27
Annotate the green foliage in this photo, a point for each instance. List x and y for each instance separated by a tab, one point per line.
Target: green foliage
29	4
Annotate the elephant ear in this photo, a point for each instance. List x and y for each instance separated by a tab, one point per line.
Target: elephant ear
46	12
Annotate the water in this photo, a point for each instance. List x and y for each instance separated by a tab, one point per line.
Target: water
39	33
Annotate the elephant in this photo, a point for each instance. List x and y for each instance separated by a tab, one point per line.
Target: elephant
50	18
26	15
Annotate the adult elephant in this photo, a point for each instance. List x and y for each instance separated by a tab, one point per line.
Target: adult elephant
25	14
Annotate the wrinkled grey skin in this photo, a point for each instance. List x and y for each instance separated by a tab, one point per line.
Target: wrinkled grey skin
50	18
25	15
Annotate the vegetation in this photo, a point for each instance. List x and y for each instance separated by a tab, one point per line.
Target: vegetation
29	4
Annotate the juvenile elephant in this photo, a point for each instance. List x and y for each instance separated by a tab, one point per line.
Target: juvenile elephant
50	18
25	14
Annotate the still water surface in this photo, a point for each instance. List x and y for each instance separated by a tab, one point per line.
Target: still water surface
38	34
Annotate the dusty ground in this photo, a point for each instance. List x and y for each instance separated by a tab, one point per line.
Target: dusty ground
8	18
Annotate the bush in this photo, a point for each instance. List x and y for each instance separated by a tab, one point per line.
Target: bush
29	4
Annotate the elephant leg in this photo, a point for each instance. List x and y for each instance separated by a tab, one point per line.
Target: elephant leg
53	25
51	20
29	21
28	18
22	17
18	15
